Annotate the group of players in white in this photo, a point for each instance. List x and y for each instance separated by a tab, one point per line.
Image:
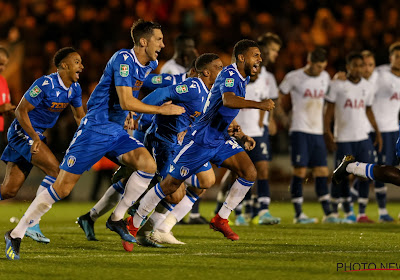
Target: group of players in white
362	103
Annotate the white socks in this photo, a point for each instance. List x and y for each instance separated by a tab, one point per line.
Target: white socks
147	204
364	170
107	201
135	187
45	184
236	194
39	206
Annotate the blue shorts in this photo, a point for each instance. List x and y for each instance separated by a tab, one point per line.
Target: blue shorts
88	147
361	150
164	152
192	156
19	146
308	150
139	135
262	150
388	154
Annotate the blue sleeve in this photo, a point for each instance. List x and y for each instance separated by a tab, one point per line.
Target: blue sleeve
154	81
229	83
123	69
76	102
185	92
37	91
158	97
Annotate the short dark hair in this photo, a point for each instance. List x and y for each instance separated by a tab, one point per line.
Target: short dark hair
353	55
318	55
268	38
394	47
367	53
61	54
5	51
242	46
143	29
203	60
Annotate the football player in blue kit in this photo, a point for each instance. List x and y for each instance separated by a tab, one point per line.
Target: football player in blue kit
208	140
114	193
38	110
101	132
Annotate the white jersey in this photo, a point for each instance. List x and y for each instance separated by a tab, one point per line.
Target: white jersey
272	89
173	68
350	101
386	105
307	95
248	118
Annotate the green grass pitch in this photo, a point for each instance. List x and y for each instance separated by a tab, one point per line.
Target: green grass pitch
285	251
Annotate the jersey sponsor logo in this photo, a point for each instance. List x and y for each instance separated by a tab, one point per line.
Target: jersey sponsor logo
195	115
57	106
184	171
35	91
71	161
354	104
314	93
124	70
229	82
45	83
181	89
138	85
395	96
156	80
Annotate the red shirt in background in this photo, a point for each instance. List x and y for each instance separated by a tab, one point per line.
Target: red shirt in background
4	98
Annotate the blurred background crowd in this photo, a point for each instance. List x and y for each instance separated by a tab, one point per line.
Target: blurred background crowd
33	30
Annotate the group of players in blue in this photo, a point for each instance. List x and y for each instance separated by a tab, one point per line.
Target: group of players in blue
189	129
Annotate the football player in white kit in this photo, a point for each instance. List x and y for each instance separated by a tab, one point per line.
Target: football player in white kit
384	87
349	103
307	87
185	53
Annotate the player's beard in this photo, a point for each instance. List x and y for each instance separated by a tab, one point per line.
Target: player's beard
247	69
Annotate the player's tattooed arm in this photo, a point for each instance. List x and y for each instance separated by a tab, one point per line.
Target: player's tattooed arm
230	100
21	113
130	103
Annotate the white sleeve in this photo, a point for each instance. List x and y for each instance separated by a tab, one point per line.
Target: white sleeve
273	88
331	95
287	84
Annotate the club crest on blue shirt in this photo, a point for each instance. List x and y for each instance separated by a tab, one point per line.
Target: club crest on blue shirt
69	92
181	89
184	171
71	161
147	73
229	82
156	80
35	91
124	70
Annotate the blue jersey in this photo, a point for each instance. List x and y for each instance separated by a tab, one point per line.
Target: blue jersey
212	128
154	81
191	94
50	97
105	114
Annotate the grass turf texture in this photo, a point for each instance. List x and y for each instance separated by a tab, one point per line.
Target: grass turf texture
285	251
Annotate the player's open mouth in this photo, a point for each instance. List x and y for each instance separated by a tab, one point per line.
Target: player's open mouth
77	74
157	52
255	67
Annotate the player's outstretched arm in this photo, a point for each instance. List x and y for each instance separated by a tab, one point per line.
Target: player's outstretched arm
130	103
21	113
230	100
328	119
78	113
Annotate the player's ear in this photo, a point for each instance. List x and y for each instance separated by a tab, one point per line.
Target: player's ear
206	72
143	42
64	65
241	57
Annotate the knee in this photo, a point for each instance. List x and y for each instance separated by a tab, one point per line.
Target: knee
149	166
53	171
249	174
207	182
169	185
175	198
8	192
